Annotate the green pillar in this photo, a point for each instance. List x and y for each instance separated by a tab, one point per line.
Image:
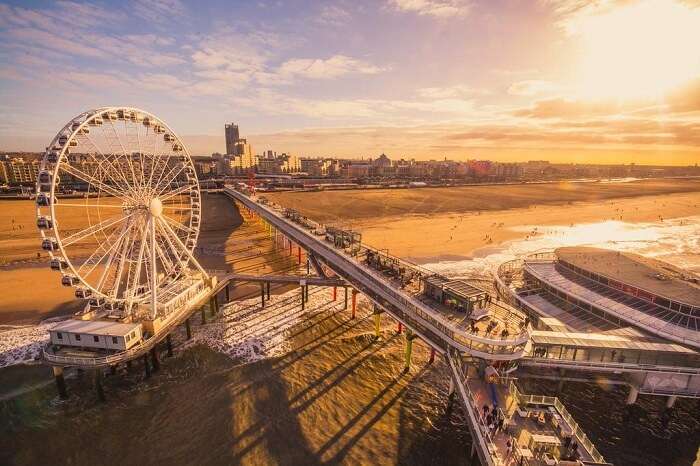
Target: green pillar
408	349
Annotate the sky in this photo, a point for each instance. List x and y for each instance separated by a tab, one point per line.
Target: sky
571	81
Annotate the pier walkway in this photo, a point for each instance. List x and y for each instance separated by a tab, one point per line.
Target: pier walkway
437	330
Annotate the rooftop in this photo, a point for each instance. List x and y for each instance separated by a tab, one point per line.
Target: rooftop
95	327
660	321
649	274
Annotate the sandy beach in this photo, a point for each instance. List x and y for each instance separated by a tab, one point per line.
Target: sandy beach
441	224
420	224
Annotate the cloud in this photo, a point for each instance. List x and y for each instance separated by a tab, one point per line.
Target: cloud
564	108
532	88
159	11
333	15
318	68
450	92
435	8
572	14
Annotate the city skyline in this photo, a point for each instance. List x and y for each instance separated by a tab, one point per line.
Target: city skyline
507	81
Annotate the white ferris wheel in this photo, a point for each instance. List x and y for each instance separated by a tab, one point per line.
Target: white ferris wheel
119	210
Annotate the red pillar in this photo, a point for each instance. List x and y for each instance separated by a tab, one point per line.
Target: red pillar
432	356
335	293
354	302
400	328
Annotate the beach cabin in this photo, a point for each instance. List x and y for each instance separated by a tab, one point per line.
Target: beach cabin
97	334
457	294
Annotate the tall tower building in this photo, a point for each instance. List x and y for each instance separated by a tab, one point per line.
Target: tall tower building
232	136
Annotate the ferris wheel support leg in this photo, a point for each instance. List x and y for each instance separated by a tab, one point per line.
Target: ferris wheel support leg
154	358
146	365
60	382
169	344
98	385
188	329
204	317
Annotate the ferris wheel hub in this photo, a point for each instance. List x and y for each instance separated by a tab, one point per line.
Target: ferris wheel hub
155	207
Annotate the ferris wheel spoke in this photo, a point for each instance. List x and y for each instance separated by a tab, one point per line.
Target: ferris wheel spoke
178	225
122	259
104	247
112	167
127	156
166	179
93	205
179	242
91	230
165	238
76	172
176	192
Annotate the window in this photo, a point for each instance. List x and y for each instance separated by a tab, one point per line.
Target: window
128	337
114	340
77	337
59	335
96	338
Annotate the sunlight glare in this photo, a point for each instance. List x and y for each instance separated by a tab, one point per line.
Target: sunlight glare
640	50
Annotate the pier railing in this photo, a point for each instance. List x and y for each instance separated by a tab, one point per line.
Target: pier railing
578	433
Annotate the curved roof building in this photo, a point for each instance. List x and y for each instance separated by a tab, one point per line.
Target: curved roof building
624	288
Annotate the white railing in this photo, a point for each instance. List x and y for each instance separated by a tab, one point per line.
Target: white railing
352	270
580	435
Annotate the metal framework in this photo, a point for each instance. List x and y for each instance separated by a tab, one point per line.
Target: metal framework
129	231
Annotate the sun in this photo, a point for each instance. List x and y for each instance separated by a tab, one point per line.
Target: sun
642	49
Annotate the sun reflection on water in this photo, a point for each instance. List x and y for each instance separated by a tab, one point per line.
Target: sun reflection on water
676	241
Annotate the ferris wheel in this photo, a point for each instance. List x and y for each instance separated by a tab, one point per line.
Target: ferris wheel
119	209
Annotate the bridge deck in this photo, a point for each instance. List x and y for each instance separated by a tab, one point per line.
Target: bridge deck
436	329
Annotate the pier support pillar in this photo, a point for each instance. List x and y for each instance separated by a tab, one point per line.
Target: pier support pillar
335	293
299	254
204	318
113	369
128	366
632	397
377	321
432	356
308	266
306	293
212	306
60	382
169	343
98	385
399	328
409	350
345	306
354	302
188	329
303	297
228	294
560	385
146	365
154	359
262	294
670	401
267	285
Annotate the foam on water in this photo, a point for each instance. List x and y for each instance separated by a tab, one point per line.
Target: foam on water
676	241
246	332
